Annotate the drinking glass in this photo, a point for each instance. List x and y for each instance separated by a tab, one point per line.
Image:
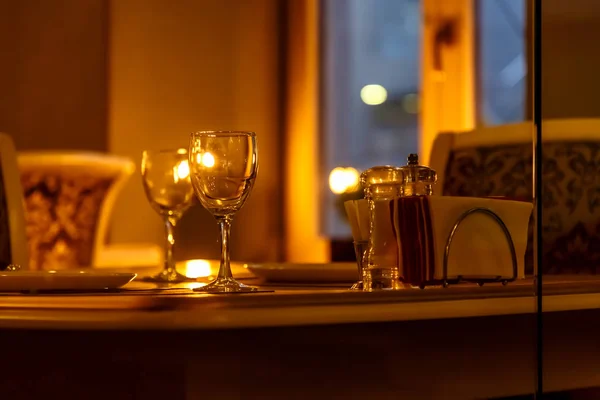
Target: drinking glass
382	184
166	179
223	168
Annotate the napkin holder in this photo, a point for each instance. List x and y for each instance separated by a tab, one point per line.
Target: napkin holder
479	280
445	240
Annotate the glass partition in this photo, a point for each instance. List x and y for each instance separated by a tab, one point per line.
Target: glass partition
569	177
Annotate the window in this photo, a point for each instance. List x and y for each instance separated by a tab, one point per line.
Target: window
371	74
502	61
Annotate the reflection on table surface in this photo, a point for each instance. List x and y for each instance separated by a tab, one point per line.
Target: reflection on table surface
142	305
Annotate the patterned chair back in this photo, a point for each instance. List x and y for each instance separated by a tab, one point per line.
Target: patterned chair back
68	201
499	162
13	242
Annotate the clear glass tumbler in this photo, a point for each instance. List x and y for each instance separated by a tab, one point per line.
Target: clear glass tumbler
382	184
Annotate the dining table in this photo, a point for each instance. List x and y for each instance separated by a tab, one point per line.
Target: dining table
301	340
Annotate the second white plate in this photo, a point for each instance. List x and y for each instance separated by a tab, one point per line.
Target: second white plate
288	272
18	281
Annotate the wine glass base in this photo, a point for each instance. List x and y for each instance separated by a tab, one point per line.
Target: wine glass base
357	286
226	285
166	276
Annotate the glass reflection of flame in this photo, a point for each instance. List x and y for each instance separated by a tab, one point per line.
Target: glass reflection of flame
205	159
208	160
181	171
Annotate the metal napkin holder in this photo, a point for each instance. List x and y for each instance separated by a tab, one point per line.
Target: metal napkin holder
479	280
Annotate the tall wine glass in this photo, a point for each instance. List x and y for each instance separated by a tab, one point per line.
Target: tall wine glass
223	168
166	179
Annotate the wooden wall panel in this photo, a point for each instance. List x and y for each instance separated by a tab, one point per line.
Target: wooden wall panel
53	59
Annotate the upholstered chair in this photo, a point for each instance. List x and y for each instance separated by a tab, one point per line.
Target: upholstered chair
498	161
69	198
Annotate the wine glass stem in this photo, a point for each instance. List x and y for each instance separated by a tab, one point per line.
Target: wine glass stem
169	258
225	225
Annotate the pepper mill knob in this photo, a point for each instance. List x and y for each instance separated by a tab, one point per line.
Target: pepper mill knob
413	159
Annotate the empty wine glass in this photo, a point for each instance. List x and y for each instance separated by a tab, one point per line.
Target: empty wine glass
166	179
223	168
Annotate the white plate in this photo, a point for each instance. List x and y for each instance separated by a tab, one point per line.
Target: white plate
285	272
16	281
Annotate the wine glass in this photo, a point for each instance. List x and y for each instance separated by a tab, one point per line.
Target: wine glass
223	168
166	179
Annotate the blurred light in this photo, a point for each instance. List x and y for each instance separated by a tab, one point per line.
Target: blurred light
182	151
411	103
373	94
183	169
208	160
342	179
197	268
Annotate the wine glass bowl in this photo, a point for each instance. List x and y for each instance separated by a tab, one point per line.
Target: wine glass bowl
223	169
167	184
166	179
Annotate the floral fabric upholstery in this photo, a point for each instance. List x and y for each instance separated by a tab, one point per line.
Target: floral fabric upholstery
61	213
571	195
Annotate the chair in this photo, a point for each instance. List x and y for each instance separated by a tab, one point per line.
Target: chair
69	197
13	241
498	161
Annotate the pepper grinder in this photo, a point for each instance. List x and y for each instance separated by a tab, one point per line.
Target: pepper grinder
419	180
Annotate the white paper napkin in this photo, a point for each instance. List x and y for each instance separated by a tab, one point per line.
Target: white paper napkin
479	247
